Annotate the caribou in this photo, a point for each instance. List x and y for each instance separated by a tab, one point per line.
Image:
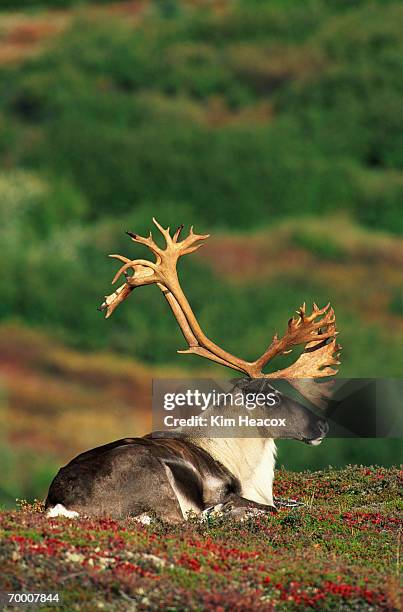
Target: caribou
195	472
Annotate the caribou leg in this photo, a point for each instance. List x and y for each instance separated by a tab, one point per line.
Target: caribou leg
238	507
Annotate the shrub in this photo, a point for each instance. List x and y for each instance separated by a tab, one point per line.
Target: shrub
321	246
30	209
10	4
379	200
396	302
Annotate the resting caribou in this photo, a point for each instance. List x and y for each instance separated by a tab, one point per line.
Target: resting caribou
172	476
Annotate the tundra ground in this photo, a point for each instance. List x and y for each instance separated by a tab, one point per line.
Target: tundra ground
340	551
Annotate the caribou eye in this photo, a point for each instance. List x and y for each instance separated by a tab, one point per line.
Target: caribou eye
276	398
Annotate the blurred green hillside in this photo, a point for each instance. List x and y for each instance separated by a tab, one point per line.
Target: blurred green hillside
230	117
274	126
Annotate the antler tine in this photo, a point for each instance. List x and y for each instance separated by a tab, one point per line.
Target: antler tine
177	233
120	257
164	232
135	263
187	245
148	242
117	297
192	237
128	264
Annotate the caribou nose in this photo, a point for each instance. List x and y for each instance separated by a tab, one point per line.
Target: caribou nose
323	426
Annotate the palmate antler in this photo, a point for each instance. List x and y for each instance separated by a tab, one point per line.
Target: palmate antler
316	331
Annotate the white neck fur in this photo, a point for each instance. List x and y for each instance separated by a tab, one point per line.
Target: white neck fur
251	460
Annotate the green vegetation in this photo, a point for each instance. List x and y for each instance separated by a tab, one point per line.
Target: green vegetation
275	126
157	114
338	552
54	4
25	474
228	120
396	303
321	246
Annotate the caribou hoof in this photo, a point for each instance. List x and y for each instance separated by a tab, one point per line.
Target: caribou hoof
212	512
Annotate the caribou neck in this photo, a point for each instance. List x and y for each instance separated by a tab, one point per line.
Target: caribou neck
250	460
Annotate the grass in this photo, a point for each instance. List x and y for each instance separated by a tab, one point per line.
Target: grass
338	552
396	302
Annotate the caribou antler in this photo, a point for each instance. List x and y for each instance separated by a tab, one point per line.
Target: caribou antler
316	331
